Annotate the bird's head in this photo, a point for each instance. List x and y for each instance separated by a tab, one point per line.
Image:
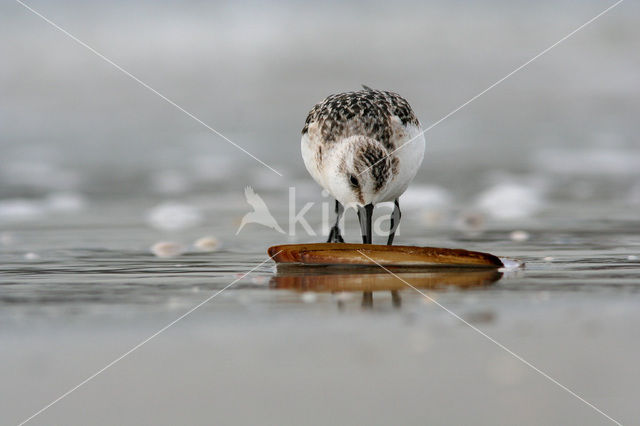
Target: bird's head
358	171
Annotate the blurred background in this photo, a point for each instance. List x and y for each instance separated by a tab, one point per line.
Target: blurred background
565	126
95	169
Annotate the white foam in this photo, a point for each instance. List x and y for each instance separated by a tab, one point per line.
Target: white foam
510	201
589	161
64	202
425	196
511	264
18	209
174	216
39	175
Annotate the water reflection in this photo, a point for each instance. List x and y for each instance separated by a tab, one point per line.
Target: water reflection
330	279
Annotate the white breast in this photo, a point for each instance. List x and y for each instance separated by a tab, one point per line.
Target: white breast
409	157
309	148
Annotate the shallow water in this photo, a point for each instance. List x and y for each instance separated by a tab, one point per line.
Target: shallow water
276	349
95	170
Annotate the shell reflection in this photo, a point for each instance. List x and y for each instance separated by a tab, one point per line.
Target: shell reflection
370	280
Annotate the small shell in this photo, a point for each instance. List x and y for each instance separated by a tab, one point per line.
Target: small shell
519	236
207	244
167	249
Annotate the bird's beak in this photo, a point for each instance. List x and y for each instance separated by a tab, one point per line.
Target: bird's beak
364	216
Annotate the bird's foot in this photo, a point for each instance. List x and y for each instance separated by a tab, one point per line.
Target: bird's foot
334	236
390	240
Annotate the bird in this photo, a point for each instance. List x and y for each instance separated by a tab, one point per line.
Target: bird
260	213
363	147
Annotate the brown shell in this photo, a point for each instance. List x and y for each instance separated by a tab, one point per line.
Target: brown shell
348	254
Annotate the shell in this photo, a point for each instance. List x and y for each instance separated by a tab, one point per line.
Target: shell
354	254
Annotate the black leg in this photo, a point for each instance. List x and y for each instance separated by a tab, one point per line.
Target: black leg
395	299
367	299
364	216
334	235
395	221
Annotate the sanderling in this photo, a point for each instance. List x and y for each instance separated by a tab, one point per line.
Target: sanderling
349	144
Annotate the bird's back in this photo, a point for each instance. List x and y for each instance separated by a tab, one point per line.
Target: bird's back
372	113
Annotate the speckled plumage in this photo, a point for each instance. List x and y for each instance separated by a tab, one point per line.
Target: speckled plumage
366	112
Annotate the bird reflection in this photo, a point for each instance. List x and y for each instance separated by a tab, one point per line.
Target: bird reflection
328	279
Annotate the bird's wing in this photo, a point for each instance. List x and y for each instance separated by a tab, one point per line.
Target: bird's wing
366	112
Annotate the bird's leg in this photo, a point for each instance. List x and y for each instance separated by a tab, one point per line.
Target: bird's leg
395	221
395	299
367	299
334	235
364	216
